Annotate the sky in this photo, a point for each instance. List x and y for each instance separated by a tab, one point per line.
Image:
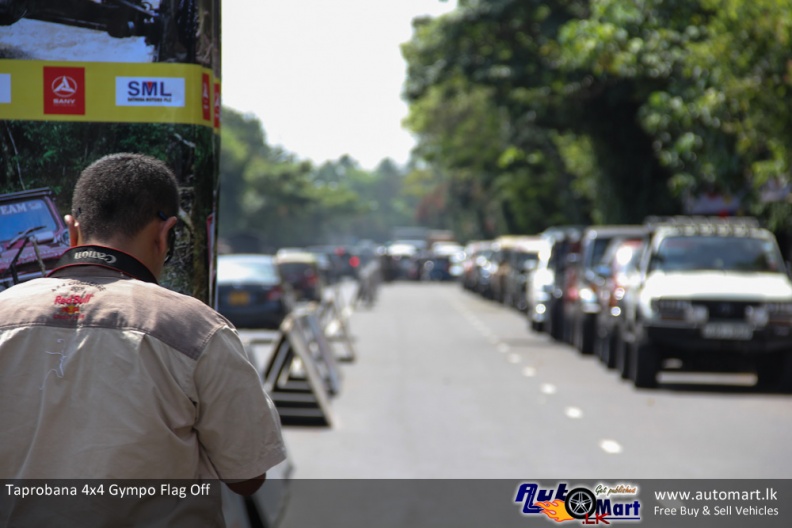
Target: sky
325	77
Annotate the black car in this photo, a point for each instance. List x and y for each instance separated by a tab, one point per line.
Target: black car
251	292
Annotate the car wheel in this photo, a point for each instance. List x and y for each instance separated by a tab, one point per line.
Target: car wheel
611	345
580	503
644	365
586	337
622	358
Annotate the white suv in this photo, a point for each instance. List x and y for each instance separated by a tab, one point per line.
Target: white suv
714	294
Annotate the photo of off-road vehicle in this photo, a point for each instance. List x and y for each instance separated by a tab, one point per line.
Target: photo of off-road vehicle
171	27
33	235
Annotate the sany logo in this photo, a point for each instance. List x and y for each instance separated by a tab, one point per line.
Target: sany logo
560	504
64	86
64	90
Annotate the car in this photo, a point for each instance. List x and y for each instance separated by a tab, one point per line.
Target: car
521	260
477	254
564	254
618	269
251	292
301	270
584	307
713	294
33	236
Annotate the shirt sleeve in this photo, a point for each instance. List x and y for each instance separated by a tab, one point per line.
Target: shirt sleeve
238	425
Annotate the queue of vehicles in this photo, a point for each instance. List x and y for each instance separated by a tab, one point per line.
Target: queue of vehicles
686	294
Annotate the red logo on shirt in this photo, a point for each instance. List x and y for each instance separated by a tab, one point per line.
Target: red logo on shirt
64	90
69	306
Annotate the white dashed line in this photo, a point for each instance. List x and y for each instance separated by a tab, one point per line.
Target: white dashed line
548	388
573	412
503	348
611	447
513	358
529	372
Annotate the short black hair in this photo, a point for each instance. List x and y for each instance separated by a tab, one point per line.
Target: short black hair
122	193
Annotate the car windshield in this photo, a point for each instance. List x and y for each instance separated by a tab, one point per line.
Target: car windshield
16	217
261	271
726	253
522	258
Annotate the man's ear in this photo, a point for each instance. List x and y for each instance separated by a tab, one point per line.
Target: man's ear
74	230
162	235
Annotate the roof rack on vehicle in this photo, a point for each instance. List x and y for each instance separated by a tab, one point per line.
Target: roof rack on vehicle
700	221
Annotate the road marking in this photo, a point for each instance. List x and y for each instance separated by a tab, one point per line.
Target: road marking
548	388
611	447
573	412
503	348
513	358
529	372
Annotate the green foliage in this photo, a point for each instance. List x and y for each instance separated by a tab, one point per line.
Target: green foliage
280	200
603	110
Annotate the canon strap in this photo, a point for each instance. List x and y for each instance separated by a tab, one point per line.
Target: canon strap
107	258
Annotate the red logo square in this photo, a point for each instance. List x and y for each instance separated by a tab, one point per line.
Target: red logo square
206	97
64	90
217	105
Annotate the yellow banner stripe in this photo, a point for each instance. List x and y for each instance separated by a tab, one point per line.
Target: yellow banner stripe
137	86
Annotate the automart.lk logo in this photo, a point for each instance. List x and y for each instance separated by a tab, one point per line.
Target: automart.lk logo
64	90
150	91
604	504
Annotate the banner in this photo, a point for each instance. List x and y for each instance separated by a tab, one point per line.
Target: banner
82	79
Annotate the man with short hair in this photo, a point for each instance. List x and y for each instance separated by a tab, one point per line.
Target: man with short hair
104	374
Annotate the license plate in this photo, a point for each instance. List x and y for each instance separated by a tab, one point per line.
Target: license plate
733	331
239	298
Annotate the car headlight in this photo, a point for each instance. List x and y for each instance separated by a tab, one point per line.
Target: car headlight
679	310
779	313
758	316
587	295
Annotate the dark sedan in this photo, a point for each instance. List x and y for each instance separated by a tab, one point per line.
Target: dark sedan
251	292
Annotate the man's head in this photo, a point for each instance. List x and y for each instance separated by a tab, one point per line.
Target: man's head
126	201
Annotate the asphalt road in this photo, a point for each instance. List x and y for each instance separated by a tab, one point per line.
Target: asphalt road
447	385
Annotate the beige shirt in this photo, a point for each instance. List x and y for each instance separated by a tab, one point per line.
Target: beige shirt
102	376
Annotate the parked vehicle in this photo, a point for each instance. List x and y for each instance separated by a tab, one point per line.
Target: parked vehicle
521	259
442	262
618	268
33	235
564	254
250	291
714	295
475	253
301	270
583	306
539	288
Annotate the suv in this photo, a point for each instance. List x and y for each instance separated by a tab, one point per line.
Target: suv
585	307
32	235
713	294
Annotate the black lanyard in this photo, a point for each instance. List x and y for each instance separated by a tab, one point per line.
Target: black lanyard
105	257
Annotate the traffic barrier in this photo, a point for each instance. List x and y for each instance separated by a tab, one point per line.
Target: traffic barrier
368	281
293	380
334	323
320	349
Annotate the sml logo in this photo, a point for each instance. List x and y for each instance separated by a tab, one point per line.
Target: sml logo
604	505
